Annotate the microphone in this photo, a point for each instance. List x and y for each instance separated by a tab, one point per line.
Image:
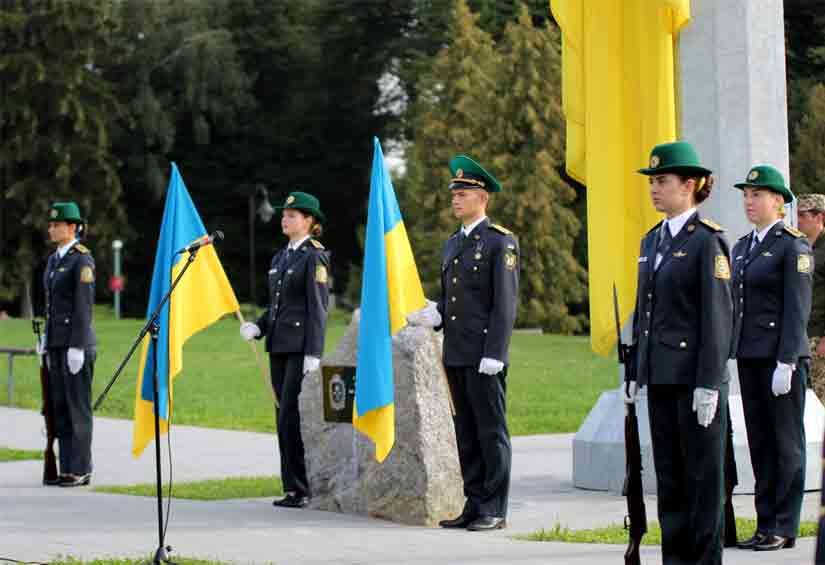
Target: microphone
218	234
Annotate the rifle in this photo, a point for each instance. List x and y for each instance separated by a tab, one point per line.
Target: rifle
50	476
731	480
636	520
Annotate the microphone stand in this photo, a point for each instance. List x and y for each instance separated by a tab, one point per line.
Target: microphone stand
152	327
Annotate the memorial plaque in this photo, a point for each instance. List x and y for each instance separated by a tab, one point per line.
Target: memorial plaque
339	393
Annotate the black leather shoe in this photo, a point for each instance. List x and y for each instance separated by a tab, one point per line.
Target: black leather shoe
75	480
772	543
487	523
464	520
52	482
753	541
291	501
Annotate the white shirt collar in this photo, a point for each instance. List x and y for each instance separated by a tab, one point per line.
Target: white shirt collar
469	229
676	223
63	249
297	244
760	235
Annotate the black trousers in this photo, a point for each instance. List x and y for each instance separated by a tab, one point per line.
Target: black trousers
287	375
71	402
776	437
484	450
690	462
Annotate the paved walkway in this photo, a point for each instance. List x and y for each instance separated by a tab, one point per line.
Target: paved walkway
38	523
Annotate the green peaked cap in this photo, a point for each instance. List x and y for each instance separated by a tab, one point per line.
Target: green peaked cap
304	202
65	212
469	174
765	176
678	157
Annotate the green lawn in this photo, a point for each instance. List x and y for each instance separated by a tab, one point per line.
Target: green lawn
552	384
618	535
7	454
219	489
176	558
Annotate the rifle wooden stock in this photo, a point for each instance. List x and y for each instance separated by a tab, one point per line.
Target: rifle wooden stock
731	480
49	459
636	519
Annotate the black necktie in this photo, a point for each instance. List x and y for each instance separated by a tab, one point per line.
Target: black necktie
754	244
461	238
665	241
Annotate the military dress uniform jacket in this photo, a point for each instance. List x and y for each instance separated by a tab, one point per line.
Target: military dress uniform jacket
772	296
295	320
479	295
70	296
816	322
683	311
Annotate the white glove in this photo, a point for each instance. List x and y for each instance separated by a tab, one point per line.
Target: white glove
40	347
781	382
490	366
250	331
75	358
311	363
427	317
704	404
629	390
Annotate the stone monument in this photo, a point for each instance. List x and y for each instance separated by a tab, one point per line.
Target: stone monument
419	483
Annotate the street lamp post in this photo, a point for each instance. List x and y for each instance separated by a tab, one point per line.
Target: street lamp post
117	279
264	212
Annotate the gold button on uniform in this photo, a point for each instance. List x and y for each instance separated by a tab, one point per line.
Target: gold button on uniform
452	318
683	344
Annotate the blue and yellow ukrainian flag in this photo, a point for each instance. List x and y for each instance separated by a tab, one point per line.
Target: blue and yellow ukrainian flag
390	290
201	298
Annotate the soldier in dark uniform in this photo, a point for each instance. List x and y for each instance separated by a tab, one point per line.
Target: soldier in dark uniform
69	342
811	216
294	325
477	310
773	269
682	330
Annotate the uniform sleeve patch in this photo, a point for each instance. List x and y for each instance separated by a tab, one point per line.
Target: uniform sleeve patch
721	268
803	263
87	275
321	275
510	261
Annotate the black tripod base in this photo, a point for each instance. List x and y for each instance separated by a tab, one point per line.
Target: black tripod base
162	556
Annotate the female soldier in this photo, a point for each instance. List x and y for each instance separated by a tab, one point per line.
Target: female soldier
294	325
772	294
682	331
69	343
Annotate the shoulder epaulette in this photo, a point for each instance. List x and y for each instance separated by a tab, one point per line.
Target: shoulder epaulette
746	236
81	248
316	244
500	229
656	227
794	232
712	225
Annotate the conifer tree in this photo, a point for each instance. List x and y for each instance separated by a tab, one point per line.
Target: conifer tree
808	159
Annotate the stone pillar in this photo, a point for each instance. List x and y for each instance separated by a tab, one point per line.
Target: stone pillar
733	109
419	483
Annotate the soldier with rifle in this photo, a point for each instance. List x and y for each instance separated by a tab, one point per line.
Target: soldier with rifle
682	326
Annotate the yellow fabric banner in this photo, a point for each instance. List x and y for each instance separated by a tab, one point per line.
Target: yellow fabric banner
619	100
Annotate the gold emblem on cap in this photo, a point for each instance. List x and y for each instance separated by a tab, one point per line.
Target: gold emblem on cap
459	173
53	213
654	161
753	175
290	199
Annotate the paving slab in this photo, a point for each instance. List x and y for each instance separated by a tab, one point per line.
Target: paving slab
39	523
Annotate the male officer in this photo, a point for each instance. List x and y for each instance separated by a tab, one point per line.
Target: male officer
811	216
69	342
476	310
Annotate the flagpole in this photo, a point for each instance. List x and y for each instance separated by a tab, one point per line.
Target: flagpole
267	382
